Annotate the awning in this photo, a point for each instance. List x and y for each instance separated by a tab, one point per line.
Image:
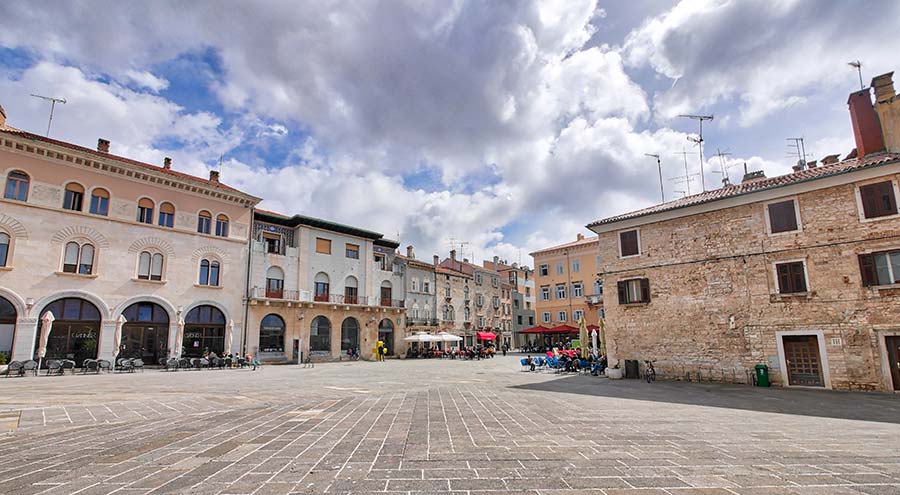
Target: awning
486	336
593	327
562	329
534	330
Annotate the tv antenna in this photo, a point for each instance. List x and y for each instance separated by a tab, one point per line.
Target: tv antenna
699	141
800	150
687	177
662	194
53	101
462	245
856	64
723	167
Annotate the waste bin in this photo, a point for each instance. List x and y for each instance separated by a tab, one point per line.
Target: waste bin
632	369
762	375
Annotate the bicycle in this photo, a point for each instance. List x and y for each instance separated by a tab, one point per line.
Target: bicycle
650	372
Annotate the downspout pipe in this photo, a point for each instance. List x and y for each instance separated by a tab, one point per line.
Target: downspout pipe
247	283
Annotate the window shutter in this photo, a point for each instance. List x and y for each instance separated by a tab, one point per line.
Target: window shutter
645	290
620	287
867	270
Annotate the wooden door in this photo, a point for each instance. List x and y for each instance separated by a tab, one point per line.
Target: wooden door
804	364
893	349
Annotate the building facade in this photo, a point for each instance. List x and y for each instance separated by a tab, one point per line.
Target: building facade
519	301
102	242
799	272
454	299
482	297
318	288
567	283
420	283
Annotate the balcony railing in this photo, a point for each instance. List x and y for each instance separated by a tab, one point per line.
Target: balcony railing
275	293
285	295
429	322
592	299
391	303
308	296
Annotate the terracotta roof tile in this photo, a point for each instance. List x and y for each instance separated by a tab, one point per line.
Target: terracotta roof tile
757	185
586	240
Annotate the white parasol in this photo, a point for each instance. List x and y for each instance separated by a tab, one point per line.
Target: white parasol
46	325
448	337
179	338
594	348
117	337
229	336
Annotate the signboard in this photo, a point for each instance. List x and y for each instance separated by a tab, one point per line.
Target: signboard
576	343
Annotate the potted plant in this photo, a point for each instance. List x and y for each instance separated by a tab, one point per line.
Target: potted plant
614	372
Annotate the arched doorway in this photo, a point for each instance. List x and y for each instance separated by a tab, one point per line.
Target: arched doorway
145	334
7	327
74	333
350	334
320	336
271	334
204	330
386	335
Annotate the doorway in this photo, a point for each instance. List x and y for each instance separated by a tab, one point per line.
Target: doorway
804	365
893	353
145	335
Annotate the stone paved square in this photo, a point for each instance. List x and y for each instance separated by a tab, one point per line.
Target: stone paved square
437	426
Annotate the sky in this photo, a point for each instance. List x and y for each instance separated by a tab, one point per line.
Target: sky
504	125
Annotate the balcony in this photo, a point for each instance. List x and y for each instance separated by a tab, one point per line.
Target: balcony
391	303
308	296
280	295
593	299
423	322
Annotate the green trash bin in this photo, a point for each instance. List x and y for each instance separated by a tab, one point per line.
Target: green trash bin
762	375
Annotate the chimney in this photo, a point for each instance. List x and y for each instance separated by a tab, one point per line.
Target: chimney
103	145
167	163
828	160
453	254
214	175
579	237
409	253
851	155
2	116
465	260
496	261
866	129
811	164
887	107
751	176
437	260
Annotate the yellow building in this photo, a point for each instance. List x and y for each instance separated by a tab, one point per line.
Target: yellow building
567	283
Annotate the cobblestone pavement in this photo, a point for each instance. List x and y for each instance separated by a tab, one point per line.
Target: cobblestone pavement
437	427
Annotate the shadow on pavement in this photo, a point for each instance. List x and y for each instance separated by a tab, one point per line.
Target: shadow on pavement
862	406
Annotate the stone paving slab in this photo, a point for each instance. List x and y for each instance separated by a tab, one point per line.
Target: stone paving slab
456	427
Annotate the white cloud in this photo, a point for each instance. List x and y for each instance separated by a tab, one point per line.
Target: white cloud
147	80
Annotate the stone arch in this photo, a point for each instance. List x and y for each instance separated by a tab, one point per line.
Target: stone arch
208	251
17	302
119	308
13	227
187	309
87	296
98	239
152	242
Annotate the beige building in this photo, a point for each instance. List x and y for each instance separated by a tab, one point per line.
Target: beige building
567	283
454	300
101	241
799	272
484	313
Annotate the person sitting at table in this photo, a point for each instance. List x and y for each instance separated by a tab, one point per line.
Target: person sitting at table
530	361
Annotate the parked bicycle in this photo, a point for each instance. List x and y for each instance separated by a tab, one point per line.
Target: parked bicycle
650	372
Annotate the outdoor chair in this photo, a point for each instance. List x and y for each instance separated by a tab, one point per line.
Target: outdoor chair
137	364
89	365
228	362
198	363
583	365
185	363
67	364
30	366
124	364
53	366
524	362
103	364
171	364
217	363
14	367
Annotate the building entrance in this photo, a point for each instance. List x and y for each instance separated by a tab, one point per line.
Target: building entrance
145	334
804	365
893	349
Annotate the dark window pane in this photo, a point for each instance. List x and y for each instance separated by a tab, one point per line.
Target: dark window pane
629	243
878	199
782	216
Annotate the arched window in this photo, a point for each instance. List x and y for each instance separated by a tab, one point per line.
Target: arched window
78	258
350	334
73	197
204	329
321	287
145	334
166	215
275	282
320	335
447	290
74	333
204	220
222	226
145	211
7	326
4	248
467	314
271	334
351	290
150	266
427	312
209	272
414	285
415	310
100	202
386	293
17	186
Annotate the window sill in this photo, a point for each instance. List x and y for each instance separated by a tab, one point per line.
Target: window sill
635	304
864	219
208	286
879	290
76	275
143	281
794	296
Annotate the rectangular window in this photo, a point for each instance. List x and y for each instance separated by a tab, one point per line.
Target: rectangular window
545	270
478	278
598	287
561	291
145	214
531	320
519	319
221	227
426	287
166	219
99	205
577	315
72	200
273	243
561	316
577	289
880	268
381	262
352	251
878	199
576	266
559	269
598	262
629	244
545	293
634	291
323	246
545	317
782	216
791	277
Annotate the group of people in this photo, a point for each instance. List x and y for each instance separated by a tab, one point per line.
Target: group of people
570	361
470	352
231	360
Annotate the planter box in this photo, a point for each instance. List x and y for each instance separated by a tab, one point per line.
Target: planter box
614	373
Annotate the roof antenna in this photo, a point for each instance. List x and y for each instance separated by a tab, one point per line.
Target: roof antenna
686	178
659	165
856	64
53	102
723	167
800	151
699	142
